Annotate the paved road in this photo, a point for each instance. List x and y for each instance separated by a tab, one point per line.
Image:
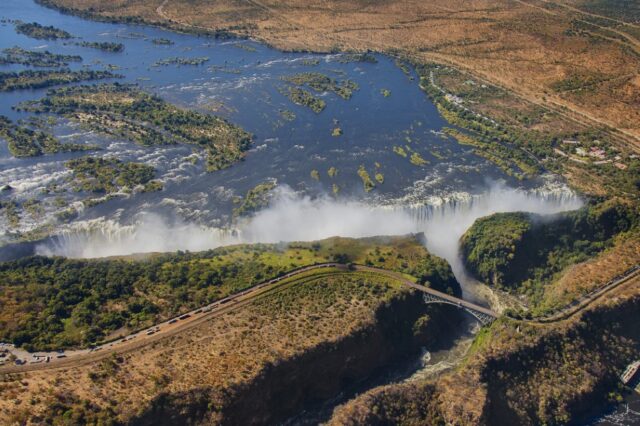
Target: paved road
172	326
587	299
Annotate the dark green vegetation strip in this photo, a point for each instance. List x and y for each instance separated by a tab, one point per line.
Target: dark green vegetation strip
30	79
104	46
26	142
20	56
107	175
54	302
522	141
40	32
181	61
147	120
509	149
521	252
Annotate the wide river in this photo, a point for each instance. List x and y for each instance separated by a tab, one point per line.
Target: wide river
239	81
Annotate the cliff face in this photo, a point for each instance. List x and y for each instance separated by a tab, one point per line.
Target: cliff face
401	328
407	404
525	374
566	373
519	374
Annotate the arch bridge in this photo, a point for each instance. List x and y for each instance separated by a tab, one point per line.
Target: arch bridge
483	315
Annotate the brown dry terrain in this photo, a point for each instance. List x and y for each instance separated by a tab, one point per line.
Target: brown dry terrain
577	63
519	373
221	360
587	276
562	69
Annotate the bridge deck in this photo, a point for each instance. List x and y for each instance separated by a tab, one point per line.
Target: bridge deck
424	289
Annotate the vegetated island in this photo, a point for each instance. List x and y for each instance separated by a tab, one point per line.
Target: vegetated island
37	79
40	32
367	182
26	142
105	46
162	41
323	83
365	57
256	198
108	175
303	98
126	111
179	60
20	56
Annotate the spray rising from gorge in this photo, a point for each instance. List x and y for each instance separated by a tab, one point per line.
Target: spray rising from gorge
292	217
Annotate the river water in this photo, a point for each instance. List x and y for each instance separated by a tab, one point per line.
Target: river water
240	81
625	414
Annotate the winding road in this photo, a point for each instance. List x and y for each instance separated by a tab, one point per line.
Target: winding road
173	326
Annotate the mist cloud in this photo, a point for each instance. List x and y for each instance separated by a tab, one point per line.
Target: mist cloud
292	217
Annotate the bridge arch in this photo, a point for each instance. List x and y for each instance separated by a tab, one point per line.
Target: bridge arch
482	317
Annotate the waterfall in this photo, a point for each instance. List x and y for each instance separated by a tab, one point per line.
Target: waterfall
292	217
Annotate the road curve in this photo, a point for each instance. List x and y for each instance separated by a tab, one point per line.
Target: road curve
172	326
197	316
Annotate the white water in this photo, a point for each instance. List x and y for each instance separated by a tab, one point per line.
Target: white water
295	218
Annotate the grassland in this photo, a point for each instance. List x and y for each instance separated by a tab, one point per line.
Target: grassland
241	347
54	302
127	112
